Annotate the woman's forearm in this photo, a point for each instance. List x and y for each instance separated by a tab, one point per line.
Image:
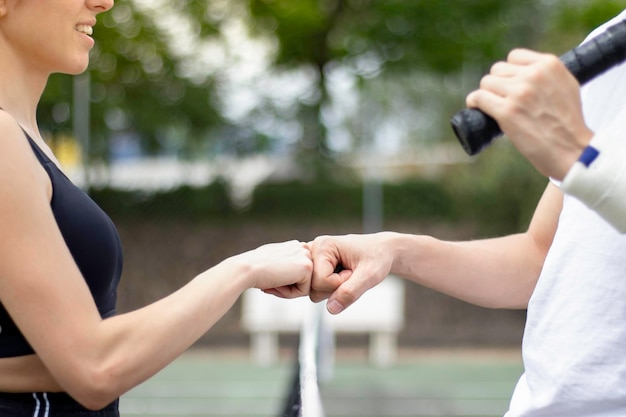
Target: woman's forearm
126	350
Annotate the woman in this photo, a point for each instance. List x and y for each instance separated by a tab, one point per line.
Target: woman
62	349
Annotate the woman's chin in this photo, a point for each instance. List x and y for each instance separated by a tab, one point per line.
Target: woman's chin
75	68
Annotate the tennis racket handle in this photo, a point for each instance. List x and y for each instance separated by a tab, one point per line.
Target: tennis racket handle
475	130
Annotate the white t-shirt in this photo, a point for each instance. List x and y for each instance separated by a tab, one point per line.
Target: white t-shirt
574	346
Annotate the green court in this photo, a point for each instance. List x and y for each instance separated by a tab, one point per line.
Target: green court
428	383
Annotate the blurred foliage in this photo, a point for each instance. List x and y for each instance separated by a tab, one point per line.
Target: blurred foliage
298	200
568	23
188	203
141	85
372	37
500	192
584	16
420	200
497	196
136	84
437	36
141	82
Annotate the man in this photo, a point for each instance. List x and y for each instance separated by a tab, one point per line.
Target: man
568	269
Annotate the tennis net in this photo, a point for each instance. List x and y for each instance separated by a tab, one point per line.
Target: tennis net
313	363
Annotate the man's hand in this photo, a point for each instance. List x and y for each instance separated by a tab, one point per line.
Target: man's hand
536	102
345	267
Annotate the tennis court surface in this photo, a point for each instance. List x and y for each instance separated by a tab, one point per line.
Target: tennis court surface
428	383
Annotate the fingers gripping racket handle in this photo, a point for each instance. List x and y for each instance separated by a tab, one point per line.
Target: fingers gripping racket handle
475	130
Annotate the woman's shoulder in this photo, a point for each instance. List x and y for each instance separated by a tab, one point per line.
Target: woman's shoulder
7	121
13	141
10	131
16	155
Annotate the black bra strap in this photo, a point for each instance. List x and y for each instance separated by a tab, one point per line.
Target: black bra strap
43	158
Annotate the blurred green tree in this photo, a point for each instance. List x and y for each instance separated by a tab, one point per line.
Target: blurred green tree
139	82
148	77
376	38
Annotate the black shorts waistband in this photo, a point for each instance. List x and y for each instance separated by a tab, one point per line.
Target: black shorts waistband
53	397
57	402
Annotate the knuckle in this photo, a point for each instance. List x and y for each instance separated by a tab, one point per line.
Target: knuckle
533	73
509	109
317	296
321	239
517	55
552	62
484	81
348	295
512	54
316	284
549	65
319	283
496	67
319	243
523	94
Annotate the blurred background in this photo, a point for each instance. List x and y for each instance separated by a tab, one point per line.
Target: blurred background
208	127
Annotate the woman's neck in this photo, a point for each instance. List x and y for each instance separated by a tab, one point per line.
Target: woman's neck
20	91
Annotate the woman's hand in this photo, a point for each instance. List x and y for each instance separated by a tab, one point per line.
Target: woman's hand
282	269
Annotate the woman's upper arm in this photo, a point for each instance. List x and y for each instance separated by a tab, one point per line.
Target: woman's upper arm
40	284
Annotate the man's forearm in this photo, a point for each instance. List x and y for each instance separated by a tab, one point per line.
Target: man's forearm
495	273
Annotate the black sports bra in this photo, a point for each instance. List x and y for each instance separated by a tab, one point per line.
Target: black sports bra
92	240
